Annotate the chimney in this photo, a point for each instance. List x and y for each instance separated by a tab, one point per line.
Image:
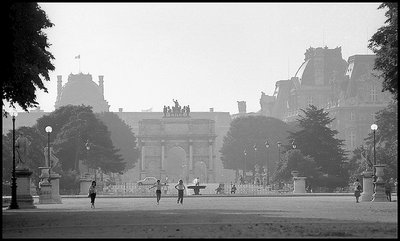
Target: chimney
59	85
242	107
101	84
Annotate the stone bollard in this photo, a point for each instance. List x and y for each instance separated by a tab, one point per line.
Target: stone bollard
24	197
55	187
84	185
368	186
299	183
379	195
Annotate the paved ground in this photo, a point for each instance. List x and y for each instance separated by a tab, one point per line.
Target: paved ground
205	217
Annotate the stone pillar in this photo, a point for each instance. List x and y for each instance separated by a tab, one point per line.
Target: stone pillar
84	184
368	187
55	187
162	154
190	155
379	195
210	155
24	197
45	193
299	183
142	159
49	191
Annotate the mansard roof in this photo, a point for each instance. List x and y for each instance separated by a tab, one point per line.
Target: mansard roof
80	89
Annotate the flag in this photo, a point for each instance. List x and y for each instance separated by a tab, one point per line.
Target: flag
78	57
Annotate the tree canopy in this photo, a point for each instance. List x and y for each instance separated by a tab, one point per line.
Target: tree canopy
384	44
317	140
246	132
294	160
28	61
122	137
74	129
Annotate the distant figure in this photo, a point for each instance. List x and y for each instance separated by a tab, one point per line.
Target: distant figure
22	144
388	191
92	193
165	111
180	187
187	110
169	111
233	189
219	189
196	181
357	189
158	185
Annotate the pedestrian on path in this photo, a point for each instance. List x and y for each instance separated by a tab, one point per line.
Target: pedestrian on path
357	189
388	191
92	193
180	187
158	186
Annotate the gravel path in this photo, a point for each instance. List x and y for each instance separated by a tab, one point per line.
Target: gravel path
205	217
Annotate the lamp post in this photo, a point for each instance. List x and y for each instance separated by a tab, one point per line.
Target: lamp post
13	204
244	171
374	127
87	145
266	165
279	150
48	129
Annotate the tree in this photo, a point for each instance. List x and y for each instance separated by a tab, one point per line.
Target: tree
386	138
73	127
384	44
318	141
28	61
244	133
295	160
122	137
35	157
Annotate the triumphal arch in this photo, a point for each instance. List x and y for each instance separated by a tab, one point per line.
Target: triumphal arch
177	147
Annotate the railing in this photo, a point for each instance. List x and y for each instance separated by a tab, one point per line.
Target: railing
143	190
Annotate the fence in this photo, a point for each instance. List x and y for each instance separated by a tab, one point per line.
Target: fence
143	190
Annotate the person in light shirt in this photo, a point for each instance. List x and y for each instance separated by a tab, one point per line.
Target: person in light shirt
158	186
180	187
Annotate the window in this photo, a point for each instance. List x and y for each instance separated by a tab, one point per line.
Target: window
352	115
352	139
310	100
373	95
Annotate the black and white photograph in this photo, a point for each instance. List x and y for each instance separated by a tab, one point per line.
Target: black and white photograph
200	120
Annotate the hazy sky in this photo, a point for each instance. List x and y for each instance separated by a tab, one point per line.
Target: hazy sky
206	55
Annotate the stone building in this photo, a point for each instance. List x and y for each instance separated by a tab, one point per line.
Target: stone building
81	89
348	90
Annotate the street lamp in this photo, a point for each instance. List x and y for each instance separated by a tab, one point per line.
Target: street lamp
244	171
374	127
13	204
87	145
266	165
48	129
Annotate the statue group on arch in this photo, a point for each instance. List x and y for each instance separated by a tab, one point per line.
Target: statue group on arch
176	110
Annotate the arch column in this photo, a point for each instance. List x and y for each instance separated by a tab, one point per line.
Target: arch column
210	155
190	155
162	154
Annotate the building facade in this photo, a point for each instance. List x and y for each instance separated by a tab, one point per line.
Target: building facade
348	90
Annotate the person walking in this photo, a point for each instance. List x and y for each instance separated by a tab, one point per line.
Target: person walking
158	186
388	190
357	189
92	193
180	187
